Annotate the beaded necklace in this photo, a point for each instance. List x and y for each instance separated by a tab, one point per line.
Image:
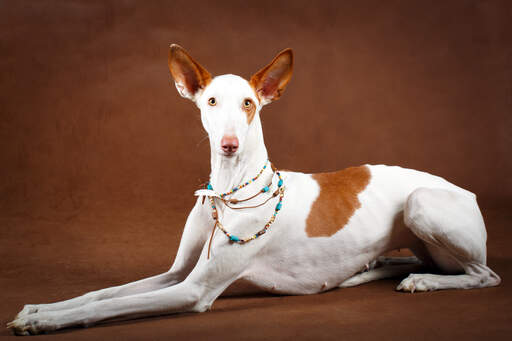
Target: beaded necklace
232	238
239	186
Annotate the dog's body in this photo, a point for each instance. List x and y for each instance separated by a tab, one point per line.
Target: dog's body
331	225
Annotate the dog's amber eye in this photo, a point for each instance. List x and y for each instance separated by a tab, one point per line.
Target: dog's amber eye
247	103
212	101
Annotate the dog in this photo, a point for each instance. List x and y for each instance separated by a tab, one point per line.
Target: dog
287	232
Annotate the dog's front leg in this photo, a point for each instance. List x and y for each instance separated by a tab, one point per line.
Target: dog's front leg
195	294
194	236
180	297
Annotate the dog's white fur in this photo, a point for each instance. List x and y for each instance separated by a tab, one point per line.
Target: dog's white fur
400	208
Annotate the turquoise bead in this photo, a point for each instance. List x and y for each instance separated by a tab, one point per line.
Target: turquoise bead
278	206
280	183
234	238
265	189
210	187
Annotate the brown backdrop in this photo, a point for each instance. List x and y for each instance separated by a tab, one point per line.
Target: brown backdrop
100	156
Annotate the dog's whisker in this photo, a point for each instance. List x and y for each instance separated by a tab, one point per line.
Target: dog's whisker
201	141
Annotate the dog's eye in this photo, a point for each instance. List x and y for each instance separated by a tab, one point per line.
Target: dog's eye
212	101
247	103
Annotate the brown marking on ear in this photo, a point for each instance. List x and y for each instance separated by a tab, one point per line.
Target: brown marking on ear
270	82
250	110
185	70
337	200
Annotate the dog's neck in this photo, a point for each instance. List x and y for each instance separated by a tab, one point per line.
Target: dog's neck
229	172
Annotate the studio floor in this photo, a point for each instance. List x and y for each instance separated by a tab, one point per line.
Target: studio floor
77	256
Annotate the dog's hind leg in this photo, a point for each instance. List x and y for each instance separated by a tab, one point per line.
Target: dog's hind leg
383	272
451	226
194	236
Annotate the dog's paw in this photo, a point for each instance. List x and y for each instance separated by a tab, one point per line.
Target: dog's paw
23	326
31	324
417	282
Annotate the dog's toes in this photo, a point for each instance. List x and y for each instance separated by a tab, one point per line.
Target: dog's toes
407	285
31	325
417	282
18	327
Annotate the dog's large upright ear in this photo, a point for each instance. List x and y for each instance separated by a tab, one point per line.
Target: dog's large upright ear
189	77
270	82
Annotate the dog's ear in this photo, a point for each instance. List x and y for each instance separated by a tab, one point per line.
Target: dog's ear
270	82
189	77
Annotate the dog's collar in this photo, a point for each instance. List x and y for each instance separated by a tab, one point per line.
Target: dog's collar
211	194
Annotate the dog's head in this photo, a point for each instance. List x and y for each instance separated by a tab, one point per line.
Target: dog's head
229	103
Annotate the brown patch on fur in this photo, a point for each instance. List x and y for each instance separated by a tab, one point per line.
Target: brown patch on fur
337	200
270	82
249	110
185	70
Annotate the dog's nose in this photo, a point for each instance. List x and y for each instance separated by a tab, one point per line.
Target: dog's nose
229	144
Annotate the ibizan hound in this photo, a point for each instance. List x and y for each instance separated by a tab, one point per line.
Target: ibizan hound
287	232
